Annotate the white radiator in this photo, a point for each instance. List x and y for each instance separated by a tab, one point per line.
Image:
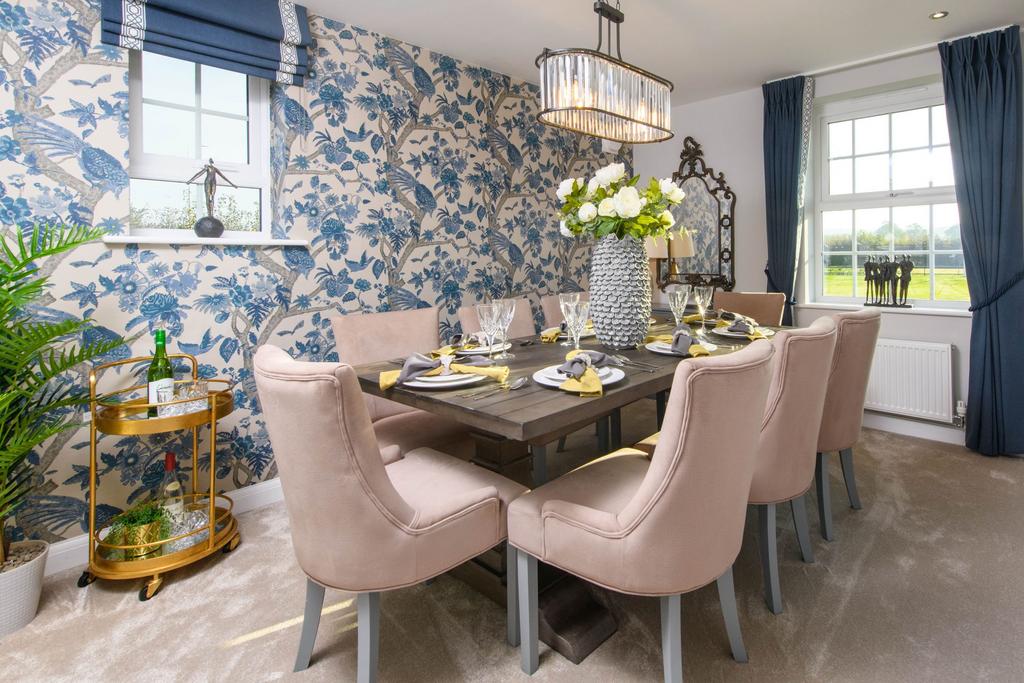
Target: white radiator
912	378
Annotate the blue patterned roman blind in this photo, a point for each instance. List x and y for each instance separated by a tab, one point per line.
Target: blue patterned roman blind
265	38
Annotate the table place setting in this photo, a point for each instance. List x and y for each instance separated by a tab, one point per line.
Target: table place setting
680	343
741	328
443	372
584	372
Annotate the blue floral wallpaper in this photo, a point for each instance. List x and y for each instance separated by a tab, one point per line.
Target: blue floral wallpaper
418	180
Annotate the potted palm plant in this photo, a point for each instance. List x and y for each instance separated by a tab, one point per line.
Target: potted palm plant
34	404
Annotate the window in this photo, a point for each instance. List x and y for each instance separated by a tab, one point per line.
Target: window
181	115
885	190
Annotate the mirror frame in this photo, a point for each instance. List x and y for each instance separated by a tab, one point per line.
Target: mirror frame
692	165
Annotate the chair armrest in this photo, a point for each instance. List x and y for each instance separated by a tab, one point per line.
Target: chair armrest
442	511
587	518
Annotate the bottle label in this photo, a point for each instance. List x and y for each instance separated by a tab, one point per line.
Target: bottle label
156	385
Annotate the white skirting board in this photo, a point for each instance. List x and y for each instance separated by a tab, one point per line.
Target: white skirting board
74	552
910	427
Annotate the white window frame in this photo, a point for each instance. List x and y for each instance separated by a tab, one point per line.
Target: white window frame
926	95
255	173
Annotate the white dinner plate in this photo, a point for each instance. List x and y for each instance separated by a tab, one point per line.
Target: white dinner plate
551	372
724	332
666	349
443	381
484	350
616	375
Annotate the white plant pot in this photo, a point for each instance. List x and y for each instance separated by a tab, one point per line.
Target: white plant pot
20	588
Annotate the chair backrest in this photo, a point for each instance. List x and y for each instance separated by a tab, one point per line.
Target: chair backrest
856	335
796	399
688	513
373	337
342	507
522	322
765	308
552	311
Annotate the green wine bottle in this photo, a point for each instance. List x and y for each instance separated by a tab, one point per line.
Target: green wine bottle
160	374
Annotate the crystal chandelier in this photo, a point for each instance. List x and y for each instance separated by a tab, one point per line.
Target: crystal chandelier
590	92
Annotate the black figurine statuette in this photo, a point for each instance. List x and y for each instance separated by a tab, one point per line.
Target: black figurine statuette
888	281
208	226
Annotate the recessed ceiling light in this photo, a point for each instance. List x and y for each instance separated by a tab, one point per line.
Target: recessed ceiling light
941	14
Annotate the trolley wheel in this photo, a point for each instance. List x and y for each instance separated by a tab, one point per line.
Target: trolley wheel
151	588
85	579
232	544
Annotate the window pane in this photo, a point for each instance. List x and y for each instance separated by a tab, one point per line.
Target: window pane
946	226
837	230
940	128
225	91
910	228
168	131
920	281
873	230
872	173
872	134
225	139
950	278
942	167
238	209
911	169
910	129
838	277
840	139
168	80
840	176
159	204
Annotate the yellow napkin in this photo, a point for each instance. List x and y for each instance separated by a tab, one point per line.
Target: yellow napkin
550	335
692	318
389	378
694	350
587	386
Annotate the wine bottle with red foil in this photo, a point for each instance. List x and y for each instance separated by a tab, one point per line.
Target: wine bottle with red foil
172	492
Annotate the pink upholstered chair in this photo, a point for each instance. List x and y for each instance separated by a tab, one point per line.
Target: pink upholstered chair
357	524
765	308
658	526
857	333
552	311
786	450
374	337
522	322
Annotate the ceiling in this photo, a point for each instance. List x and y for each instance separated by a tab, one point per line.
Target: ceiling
706	48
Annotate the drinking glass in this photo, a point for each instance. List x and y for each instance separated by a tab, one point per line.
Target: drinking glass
563	299
488	315
677	300
702	297
506	311
576	316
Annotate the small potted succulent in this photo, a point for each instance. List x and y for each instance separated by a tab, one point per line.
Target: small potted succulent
34	404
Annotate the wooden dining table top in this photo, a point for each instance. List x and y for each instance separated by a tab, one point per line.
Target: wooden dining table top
538	414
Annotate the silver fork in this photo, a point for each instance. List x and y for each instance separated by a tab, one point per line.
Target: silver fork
646	367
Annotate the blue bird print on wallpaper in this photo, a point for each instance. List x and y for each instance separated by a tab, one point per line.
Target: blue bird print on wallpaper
99	167
405	62
500	144
295	116
60	513
405	182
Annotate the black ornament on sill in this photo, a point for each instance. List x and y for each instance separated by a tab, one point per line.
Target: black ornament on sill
888	281
208	226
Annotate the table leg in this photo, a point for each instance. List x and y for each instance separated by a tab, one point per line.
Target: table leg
660	399
539	455
602	435
616	429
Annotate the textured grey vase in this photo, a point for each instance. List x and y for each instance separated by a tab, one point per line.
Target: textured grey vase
620	292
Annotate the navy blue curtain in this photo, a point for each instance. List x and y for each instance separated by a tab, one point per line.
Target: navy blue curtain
265	38
982	80
783	136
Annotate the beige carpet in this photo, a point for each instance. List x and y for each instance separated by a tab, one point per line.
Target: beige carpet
923	584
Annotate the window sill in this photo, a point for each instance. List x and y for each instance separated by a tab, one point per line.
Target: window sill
254	241
920	310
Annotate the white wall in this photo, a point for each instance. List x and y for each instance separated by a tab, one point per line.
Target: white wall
730	130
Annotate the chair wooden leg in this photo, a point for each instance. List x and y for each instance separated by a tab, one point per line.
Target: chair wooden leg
672	638
846	459
727	599
803	535
824	497
368	637
769	556
310	623
512	594
529	644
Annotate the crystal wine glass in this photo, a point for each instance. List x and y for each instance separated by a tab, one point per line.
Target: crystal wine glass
702	297
488	315
576	316
563	299
506	311
677	300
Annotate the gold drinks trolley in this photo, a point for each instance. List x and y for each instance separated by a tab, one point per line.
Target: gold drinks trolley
122	412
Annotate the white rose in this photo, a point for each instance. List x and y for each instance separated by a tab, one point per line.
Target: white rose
671	191
627	202
564	230
606	208
564	189
592	186
610	174
587	212
667	219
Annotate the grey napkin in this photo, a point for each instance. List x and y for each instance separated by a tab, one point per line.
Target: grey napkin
579	363
417	364
476	337
682	341
729	315
742	326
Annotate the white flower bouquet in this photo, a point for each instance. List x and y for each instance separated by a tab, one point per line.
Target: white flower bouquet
610	204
